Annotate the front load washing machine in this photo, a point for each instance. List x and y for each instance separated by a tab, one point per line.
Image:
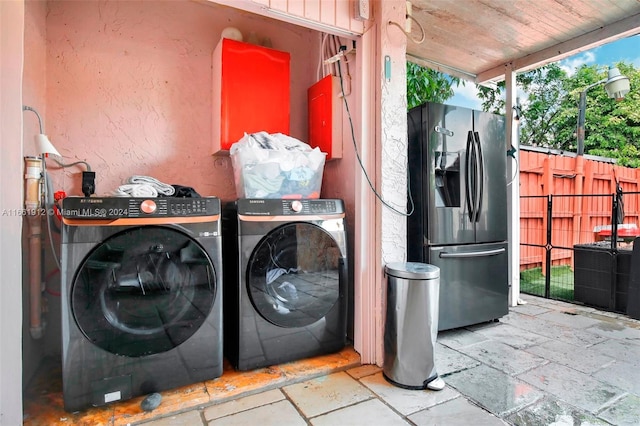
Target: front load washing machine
285	280
141	296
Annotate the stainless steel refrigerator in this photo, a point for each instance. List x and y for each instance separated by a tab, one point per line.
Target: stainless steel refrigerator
457	161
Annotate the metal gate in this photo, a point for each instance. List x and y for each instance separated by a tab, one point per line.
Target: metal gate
577	248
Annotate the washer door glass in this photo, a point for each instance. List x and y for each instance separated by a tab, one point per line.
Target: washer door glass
293	275
143	291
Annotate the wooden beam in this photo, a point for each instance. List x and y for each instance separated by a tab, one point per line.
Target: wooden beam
624	28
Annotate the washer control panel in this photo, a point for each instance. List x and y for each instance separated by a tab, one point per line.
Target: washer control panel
123	207
286	207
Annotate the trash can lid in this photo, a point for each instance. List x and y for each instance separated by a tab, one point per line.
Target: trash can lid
412	270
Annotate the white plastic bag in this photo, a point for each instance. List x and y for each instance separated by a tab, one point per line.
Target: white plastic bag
276	166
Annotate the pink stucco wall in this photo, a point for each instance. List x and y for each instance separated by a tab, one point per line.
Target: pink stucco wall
35	66
128	88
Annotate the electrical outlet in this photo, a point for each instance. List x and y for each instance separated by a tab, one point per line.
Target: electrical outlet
361	10
88	183
407	22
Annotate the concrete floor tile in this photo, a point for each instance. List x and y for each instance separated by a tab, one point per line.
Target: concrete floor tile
190	418
551	411
572	386
560	304
459	338
483	325
569	319
457	412
625	412
622	350
615	330
243	404
367	413
503	357
449	361
362	371
276	414
586	360
526	322
530	309
512	336
554	331
327	393
623	375
494	390
406	401
607	314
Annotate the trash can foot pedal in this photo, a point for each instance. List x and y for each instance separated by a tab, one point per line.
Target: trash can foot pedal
436	384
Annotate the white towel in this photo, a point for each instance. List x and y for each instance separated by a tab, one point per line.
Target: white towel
136	190
161	187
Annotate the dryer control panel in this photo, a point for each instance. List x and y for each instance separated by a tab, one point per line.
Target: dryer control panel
124	207
297	207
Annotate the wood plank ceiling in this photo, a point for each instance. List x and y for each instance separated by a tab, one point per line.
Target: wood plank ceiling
476	39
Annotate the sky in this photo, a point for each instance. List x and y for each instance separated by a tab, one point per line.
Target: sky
626	49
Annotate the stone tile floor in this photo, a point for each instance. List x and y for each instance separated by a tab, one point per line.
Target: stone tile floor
545	363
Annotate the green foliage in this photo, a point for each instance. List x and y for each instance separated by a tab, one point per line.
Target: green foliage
532	281
427	85
549	114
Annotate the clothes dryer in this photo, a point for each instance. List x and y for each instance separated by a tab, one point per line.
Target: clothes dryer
141	296
286	281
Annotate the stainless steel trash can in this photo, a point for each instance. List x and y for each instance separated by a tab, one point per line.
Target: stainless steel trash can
411	325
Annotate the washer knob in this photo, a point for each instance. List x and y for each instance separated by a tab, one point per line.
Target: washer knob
296	206
148	206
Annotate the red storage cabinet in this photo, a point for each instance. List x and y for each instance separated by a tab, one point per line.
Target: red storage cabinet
325	116
251	92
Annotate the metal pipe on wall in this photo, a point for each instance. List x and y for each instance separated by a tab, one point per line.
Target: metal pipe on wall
33	209
582	109
579	188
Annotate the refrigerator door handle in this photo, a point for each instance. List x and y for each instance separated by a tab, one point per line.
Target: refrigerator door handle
482	253
444	131
479	177
468	185
474	177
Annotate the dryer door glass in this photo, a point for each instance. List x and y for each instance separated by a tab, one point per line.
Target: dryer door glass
143	291
293	276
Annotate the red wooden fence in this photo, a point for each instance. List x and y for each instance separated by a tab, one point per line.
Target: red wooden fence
589	183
